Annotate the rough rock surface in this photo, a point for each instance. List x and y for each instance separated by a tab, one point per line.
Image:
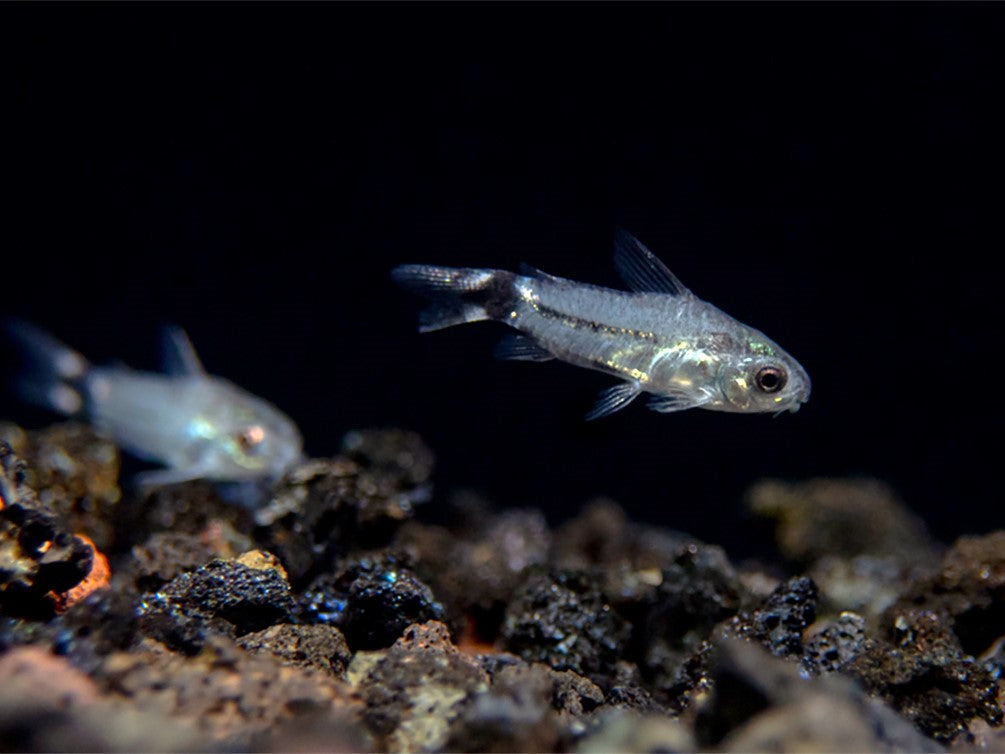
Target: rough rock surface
759	703
76	474
561	619
225	597
39	556
332	617
165	555
416	689
321	648
226	695
476	565
836	644
967	590
840	517
920	669
779	622
854	537
372	601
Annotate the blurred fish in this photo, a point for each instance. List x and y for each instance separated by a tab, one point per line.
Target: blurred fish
659	338
197	425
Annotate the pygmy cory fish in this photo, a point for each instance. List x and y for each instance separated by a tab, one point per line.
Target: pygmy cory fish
659	338
197	425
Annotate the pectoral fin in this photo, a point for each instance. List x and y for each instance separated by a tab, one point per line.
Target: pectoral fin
682	401
146	480
614	399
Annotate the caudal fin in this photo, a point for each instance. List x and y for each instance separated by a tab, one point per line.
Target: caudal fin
55	372
458	294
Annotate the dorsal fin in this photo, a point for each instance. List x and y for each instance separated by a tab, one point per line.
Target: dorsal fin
180	358
533	272
641	270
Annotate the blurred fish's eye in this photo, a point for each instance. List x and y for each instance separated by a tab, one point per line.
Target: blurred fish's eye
251	437
770	379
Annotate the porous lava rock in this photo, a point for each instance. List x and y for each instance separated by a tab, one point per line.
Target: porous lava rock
371	600
560	618
226	597
39	556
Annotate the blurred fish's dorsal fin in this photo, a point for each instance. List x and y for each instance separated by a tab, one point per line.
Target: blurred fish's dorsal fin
641	270
180	358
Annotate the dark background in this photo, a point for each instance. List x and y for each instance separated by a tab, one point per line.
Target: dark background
830	174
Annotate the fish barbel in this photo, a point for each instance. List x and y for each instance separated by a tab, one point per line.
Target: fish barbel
657	338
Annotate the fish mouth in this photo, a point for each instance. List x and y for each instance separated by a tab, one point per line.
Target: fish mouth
791	408
795	404
803	395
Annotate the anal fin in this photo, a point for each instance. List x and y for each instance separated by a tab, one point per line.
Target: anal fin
522	348
449	312
614	399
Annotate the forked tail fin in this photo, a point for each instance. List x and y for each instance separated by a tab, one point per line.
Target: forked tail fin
458	294
55	372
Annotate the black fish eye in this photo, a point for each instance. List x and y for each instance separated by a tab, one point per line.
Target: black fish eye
770	379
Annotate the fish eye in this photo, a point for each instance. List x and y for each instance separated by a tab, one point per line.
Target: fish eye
770	379
250	438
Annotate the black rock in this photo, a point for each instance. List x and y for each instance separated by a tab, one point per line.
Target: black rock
840	517
103	623
394	453
319	647
372	601
518	711
627	690
476	568
417	687
224	596
758	702
836	645
75	470
325	509
778	624
603	535
39	555
561	619
164	555
188	508
920	668
967	589
695	592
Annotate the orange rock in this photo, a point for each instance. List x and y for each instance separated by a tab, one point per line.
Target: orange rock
98	578
470	642
36	674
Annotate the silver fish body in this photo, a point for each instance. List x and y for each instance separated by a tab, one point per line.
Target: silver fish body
658	338
197	425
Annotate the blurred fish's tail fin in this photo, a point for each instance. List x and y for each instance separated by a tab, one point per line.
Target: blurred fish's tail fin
458	294
55	372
